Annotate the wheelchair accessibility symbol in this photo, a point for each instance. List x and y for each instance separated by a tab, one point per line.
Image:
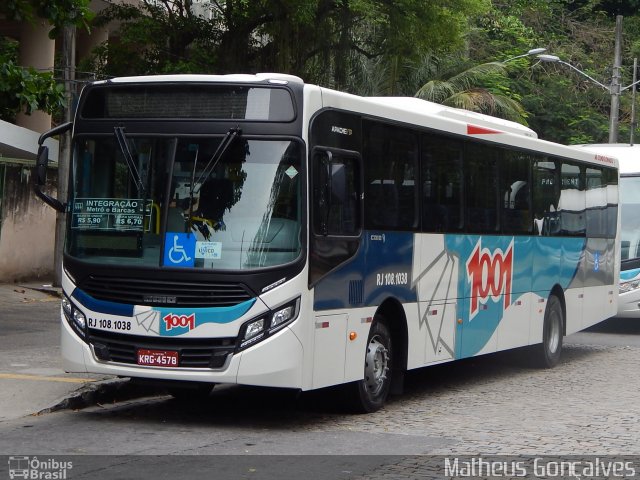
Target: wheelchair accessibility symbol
179	249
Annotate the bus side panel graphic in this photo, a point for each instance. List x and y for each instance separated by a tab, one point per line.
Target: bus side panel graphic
495	272
482	275
386	272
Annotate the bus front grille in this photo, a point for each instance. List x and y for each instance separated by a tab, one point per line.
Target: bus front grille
192	353
138	291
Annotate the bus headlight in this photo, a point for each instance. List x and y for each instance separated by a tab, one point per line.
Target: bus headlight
626	287
66	307
258	329
282	316
80	319
74	316
254	328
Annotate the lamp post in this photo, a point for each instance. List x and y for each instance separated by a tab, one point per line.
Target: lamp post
555	59
533	51
613	88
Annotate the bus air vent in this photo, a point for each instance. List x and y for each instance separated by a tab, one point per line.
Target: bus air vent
138	291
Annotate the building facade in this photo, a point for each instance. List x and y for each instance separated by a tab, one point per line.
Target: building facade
27	226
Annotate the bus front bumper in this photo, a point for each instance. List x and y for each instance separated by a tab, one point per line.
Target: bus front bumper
274	362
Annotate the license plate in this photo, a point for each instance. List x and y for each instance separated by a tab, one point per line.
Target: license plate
158	358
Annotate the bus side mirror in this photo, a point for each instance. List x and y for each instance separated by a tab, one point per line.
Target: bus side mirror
42	161
41	165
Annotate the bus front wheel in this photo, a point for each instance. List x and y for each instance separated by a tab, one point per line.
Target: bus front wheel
369	394
548	352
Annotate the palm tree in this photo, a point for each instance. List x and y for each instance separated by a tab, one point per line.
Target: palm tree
467	89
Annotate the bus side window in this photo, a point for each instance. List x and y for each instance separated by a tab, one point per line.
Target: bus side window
390	196
335	194
572	201
596	202
441	173
481	189
516	205
546	190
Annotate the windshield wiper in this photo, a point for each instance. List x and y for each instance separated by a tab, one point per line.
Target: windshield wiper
124	148
226	142
224	145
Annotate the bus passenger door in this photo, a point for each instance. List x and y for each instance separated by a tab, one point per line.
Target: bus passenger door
330	342
336	266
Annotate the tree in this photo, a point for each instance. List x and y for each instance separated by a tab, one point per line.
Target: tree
562	106
467	89
23	88
319	40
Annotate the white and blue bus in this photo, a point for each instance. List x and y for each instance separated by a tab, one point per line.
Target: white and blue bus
628	157
254	229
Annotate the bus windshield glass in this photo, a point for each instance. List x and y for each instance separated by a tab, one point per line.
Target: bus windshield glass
630	222
228	203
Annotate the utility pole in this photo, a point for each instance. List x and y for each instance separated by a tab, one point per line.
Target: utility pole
614	88
69	74
634	122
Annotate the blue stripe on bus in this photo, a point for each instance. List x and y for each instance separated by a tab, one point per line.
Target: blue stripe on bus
378	270
102	306
628	275
202	315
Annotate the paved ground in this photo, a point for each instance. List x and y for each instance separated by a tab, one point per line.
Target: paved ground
31	375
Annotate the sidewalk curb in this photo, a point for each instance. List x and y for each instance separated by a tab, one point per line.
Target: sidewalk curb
53	291
111	390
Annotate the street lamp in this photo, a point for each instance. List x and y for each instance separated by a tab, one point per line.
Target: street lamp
533	51
555	59
614	89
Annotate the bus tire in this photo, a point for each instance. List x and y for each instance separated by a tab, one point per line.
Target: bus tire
369	394
548	352
196	392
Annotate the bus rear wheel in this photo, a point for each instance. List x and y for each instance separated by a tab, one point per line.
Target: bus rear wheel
547	354
369	394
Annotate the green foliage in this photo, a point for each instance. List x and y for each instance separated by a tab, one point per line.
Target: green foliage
57	12
448	50
320	40
480	88
25	89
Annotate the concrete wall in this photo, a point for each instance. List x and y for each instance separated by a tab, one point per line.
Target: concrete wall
28	226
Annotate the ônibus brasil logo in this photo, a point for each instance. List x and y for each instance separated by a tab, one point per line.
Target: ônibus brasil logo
490	275
179	321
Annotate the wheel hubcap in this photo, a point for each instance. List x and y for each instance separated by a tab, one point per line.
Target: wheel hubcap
376	366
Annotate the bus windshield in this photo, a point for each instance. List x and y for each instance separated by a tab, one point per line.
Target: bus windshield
630	222
185	202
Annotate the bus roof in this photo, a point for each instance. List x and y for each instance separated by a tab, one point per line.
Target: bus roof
423	113
403	109
628	155
248	78
417	104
